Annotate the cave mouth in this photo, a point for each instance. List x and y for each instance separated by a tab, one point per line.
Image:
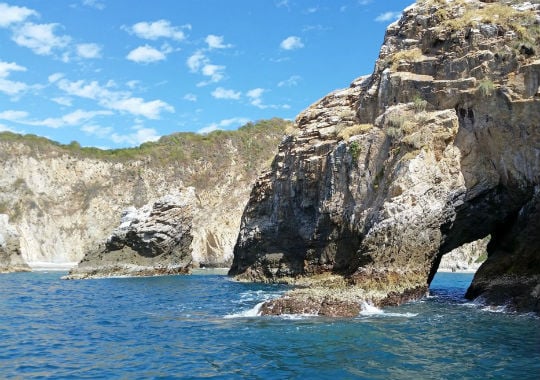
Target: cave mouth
456	269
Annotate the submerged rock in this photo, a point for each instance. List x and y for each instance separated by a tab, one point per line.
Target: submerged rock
153	240
439	147
10	252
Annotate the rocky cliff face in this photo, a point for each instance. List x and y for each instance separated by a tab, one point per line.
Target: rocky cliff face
64	200
466	258
153	240
439	147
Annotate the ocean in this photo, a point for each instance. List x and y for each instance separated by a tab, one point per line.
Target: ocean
206	326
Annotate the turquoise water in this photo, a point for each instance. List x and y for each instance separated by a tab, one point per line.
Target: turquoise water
199	327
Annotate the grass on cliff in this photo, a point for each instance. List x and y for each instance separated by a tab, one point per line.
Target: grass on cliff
497	13
199	159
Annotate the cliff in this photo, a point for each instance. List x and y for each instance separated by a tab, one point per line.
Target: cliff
64	200
438	147
10	252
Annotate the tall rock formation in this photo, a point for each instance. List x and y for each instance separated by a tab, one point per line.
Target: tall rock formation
439	147
63	200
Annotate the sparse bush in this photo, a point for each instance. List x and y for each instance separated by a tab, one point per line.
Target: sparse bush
486	87
355	150
410	55
419	104
353	130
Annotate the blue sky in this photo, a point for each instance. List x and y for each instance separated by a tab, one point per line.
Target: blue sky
117	73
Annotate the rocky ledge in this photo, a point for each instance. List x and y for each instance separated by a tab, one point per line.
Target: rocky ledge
10	252
150	241
439	147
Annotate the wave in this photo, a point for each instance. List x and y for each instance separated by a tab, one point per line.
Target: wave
255	311
369	310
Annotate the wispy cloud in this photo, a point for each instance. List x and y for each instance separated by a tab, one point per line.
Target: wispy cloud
290	82
122	101
8	86
96	4
198	62
89	50
141	135
10	14
190	97
97	130
76	117
40	38
388	16
292	43
216	42
222	93
235	121
157	29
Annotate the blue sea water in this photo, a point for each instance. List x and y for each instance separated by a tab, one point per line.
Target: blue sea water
205	326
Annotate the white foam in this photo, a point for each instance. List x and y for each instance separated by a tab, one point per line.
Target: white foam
250	313
370	310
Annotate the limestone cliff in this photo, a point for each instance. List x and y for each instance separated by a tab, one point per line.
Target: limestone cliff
64	200
466	258
439	147
153	240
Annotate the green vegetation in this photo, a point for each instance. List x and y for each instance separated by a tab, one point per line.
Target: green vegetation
419	104
355	150
486	87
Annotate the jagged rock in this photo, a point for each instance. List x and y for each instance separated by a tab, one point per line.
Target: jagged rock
10	251
439	147
153	240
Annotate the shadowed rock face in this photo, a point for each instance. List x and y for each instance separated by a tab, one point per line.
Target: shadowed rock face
439	147
153	240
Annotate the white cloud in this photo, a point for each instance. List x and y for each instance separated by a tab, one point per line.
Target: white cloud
291	43
7	86
222	93
99	5
255	97
145	54
196	61
96	130
290	82
115	100
141	135
137	106
388	16
7	67
12	14
157	29
55	77
90	50
235	121
12	115
216	42
73	118
190	97
199	63
215	72
40	38
63	101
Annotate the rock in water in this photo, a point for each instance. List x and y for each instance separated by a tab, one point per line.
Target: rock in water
10	251
439	147
153	240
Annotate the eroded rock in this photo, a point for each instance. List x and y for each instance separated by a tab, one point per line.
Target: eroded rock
153	240
10	251
437	148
